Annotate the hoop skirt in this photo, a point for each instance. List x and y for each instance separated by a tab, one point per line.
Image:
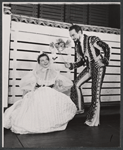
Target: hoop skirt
40	111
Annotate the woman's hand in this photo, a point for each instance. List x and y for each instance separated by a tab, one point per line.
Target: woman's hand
58	85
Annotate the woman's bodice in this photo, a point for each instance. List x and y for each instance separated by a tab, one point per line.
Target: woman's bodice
46	77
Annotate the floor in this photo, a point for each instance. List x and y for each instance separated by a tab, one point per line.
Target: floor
76	135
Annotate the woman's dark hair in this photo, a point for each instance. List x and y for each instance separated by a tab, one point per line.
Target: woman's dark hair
42	55
76	28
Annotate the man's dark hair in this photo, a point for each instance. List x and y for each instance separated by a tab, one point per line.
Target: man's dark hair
42	55
76	28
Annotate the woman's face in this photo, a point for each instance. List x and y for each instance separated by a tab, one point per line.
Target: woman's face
44	62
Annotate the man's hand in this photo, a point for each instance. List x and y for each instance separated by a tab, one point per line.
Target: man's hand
105	61
67	65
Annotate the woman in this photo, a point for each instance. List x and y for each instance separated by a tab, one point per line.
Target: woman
43	108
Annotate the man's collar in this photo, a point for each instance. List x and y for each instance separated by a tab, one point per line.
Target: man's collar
81	39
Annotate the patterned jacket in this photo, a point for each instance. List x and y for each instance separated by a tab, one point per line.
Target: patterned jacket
93	50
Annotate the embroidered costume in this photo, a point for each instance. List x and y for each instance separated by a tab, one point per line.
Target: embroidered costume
94	55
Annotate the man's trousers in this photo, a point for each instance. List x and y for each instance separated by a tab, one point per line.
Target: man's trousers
96	73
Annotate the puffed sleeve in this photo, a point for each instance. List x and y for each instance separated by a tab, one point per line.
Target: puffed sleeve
63	83
28	82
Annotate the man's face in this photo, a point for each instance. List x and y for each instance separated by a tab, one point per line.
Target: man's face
74	35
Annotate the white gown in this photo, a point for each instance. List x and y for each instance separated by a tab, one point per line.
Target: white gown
41	111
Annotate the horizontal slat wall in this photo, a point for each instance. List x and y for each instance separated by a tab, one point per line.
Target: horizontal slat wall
52	12
98	15
76	13
25	9
28	40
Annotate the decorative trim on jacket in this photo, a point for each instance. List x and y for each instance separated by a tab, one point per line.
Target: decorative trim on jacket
95	47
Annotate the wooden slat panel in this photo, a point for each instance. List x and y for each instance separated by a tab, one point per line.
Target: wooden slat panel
20	74
26	9
104	36
102	16
84	91
61	32
18	91
23	65
113	45
114	63
114	50
40	29
76	13
34	56
113	70
54	17
23	6
30	46
103	91
28	66
112	78
52	12
104	85
25	55
100	13
52	6
98	7
104	98
34	38
86	85
37	48
115	57
86	99
29	13
110	98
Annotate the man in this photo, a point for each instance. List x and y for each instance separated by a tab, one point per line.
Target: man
94	55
